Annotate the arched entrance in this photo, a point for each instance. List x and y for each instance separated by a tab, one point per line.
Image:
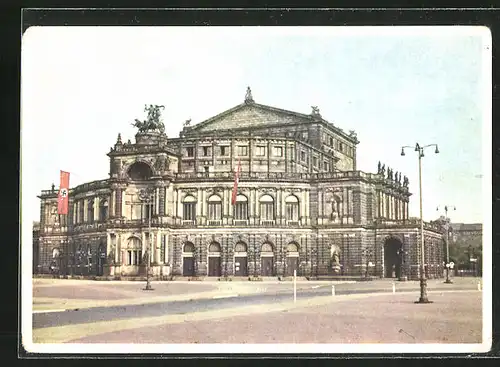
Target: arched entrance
188	260
267	260
392	258
240	260
292	259
214	269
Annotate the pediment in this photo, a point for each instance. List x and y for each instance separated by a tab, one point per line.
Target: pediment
250	116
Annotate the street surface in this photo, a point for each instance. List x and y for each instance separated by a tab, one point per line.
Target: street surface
117	310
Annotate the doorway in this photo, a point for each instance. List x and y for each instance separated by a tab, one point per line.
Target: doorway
292	263
392	260
214	266
266	264
214	253
188	260
188	266
240	260
240	266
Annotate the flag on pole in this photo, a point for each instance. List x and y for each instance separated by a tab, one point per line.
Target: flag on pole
236	181
62	197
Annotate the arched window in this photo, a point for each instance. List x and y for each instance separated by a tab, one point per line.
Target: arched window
140	171
189	208
188	247
133	254
240	247
266	207
90	211
267	247
214	208
241	208
292	247
103	210
292	208
214	247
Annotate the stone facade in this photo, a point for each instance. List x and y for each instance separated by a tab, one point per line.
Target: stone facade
300	205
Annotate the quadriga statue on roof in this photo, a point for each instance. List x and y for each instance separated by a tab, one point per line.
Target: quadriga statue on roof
153	121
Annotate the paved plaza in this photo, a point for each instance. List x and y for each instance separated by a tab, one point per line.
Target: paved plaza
256	312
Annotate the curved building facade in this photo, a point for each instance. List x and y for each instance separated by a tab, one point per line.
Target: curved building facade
300	204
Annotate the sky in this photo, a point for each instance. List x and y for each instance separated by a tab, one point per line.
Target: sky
395	86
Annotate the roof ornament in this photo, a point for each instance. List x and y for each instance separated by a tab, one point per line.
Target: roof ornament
153	122
315	111
248	96
353	134
187	123
119	139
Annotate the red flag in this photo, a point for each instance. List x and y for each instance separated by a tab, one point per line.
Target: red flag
236	181
62	197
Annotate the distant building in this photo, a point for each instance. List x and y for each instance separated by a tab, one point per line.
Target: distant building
301	205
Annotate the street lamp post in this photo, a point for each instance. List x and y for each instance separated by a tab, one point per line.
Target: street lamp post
423	280
146	196
447	239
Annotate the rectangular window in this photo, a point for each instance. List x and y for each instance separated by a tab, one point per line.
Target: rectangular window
303	156
331	142
325	166
223	150
189	211
241	211
129	257
206	151
315	161
341	147
207	169
242	151
260	151
190	151
148	208
215	211
292	211
267	211
278	151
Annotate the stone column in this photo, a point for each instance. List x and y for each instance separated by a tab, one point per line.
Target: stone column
158	247
118	246
198	204
160	198
118	201
111	204
308	219
85	210
303	206
97	203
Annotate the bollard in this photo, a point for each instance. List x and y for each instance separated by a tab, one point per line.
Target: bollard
478	286
393	287
295	286
333	290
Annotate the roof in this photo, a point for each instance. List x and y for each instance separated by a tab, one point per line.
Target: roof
252	115
467	226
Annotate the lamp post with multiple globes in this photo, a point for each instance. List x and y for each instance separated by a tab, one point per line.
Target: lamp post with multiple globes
423	281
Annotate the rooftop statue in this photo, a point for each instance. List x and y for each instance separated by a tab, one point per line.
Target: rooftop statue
248	96
153	121
187	123
315	111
